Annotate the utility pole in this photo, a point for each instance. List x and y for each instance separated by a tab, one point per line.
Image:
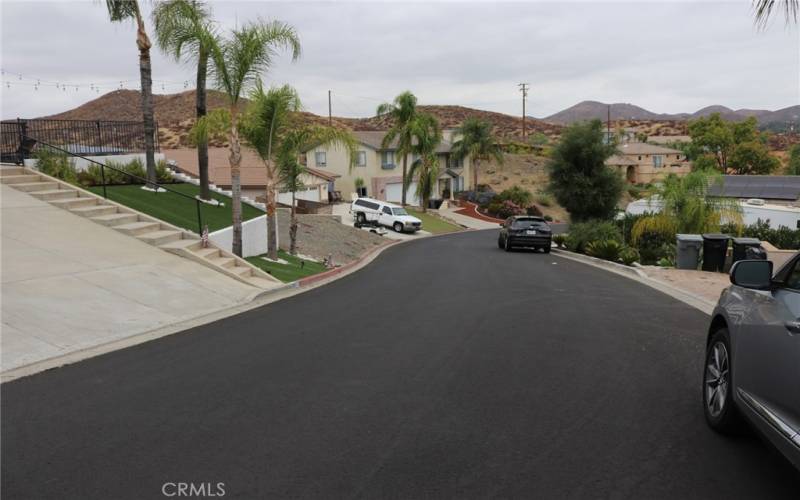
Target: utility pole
608	125
330	112
523	87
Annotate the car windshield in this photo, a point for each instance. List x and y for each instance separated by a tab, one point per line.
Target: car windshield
399	211
526	223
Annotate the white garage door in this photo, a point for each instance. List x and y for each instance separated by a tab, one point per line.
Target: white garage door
394	193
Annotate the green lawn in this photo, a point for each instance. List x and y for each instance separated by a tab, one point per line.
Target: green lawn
292	271
434	224
175	209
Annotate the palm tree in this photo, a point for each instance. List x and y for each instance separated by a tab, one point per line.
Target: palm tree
184	29
427	136
687	208
763	9
291	170
237	62
477	142
122	10
264	122
402	112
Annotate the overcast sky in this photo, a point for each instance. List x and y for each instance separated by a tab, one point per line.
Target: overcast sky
665	56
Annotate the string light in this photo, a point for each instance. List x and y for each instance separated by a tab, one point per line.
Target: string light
21	81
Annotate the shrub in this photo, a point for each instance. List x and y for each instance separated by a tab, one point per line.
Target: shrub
783	237
582	233
56	165
517	195
604	249
559	240
548	218
543	199
163	173
629	255
533	210
505	209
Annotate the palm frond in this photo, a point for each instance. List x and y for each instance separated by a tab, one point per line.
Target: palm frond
121	10
763	10
182	24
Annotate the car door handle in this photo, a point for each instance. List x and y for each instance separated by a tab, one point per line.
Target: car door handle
793	327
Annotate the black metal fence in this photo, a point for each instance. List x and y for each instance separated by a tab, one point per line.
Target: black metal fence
82	137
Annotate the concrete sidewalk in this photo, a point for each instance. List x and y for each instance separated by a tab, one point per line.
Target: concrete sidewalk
69	284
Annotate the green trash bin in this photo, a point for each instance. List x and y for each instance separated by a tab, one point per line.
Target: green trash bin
687	254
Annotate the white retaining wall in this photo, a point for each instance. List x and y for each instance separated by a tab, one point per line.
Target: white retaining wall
778	215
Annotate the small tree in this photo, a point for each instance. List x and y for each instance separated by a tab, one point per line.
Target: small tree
735	147
265	121
752	158
427	136
238	60
291	170
477	142
579	178
402	111
794	160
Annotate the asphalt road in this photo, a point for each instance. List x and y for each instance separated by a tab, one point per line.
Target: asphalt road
445	369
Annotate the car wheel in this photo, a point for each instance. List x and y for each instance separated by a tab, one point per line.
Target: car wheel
507	245
398	227
718	405
546	249
361	218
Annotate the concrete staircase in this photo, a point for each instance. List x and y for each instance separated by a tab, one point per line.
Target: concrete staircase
134	224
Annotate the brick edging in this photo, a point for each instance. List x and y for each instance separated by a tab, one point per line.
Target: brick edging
346	267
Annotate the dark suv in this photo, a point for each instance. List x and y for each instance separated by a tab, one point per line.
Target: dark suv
525	231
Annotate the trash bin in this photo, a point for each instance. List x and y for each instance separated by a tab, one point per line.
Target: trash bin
741	245
715	248
756	253
687	254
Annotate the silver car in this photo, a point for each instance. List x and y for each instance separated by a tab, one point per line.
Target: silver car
752	367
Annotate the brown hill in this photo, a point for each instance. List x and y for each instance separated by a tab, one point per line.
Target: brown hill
175	116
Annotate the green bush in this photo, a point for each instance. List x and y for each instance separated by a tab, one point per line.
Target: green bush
629	255
604	249
582	233
543	199
783	237
625	224
559	240
517	195
163	173
505	209
115	175
56	165
653	246
548	218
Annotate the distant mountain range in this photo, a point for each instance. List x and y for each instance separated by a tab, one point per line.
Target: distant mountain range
589	110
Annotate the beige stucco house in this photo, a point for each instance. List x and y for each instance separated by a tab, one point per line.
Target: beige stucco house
381	168
641	163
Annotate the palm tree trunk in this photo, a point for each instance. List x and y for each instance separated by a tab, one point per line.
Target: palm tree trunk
405	187
272	219
475	163
143	43
200	104
236	184
272	226
293	229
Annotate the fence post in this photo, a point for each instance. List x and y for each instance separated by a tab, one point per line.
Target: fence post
99	149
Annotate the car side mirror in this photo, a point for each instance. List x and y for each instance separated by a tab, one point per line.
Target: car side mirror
756	274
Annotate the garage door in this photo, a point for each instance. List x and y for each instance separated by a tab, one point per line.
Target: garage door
394	193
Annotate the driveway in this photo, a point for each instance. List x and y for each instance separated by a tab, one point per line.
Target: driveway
445	369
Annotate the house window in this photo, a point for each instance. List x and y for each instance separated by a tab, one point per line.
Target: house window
456	162
321	158
640	158
658	161
387	159
361	159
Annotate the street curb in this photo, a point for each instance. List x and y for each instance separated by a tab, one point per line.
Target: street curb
699	303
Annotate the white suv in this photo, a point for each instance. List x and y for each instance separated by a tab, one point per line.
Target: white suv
368	210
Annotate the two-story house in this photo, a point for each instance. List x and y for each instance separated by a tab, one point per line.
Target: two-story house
644	163
381	168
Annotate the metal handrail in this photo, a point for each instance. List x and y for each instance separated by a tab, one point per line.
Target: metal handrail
146	182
